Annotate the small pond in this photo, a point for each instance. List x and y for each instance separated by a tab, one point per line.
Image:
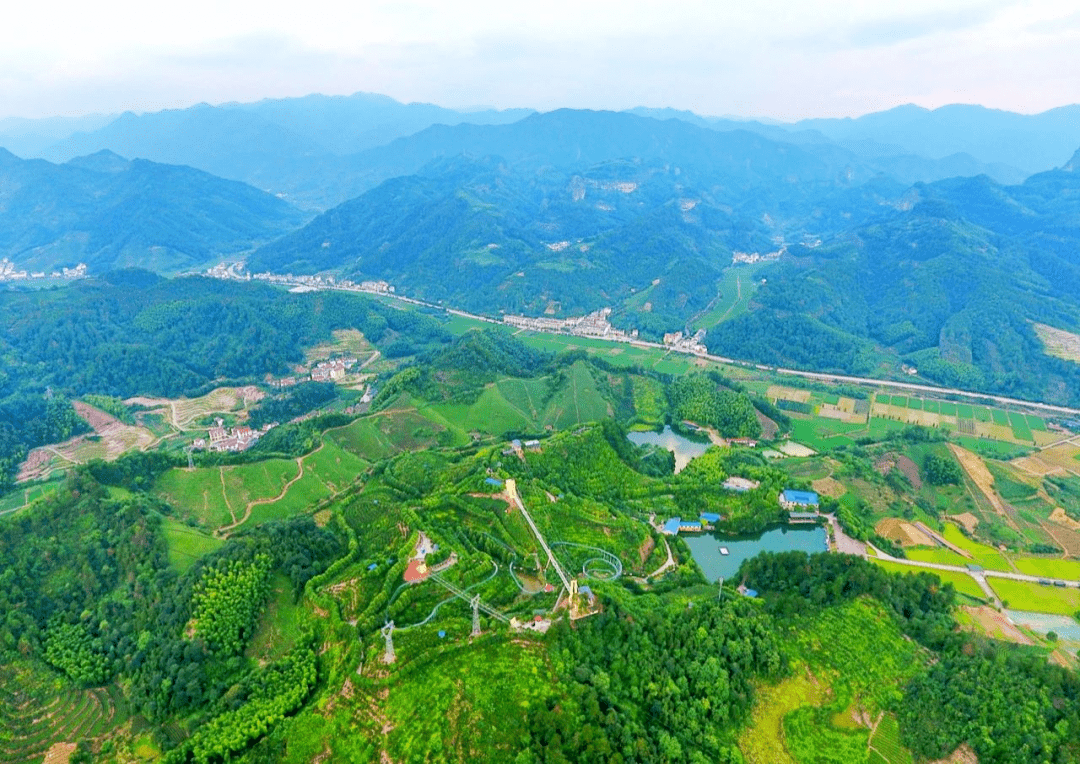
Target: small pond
1065	627
706	547
683	448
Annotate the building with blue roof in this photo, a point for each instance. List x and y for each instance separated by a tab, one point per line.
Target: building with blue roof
792	499
710	517
671	527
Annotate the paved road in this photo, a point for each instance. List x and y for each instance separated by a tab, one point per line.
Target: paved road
723	359
980	576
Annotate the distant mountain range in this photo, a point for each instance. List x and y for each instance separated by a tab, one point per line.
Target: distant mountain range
313	150
930	238
109	212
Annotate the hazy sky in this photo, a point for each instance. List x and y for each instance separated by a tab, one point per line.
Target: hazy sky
783	59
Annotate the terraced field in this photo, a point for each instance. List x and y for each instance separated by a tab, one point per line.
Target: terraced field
37	710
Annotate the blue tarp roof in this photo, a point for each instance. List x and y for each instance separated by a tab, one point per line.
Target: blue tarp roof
801	497
372	566
710	517
493	481
750	593
672	525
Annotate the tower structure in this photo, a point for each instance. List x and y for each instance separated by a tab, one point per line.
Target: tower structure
476	616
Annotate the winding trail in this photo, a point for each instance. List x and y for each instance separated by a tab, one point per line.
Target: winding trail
670	561
284	490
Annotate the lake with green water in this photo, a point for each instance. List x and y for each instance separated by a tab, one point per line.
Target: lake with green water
683	448
705	547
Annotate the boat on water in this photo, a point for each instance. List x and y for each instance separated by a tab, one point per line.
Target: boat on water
723	550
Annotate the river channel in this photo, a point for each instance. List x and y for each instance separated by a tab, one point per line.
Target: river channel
705	547
684	449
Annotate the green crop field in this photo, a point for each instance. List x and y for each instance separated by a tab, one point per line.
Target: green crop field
915	404
280	624
995	449
885	744
578	401
38	709
1006	484
186	544
763	740
1048	567
882	398
1038	424
984	555
1021	429
938	556
25	495
737	286
1000	417
962	582
386	433
198	493
335	467
1021	595
982	414
947	408
899	400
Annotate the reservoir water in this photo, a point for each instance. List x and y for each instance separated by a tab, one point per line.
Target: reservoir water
683	448
705	548
1066	628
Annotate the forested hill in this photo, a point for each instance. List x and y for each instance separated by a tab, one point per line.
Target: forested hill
106	211
952	283
571	211
134	333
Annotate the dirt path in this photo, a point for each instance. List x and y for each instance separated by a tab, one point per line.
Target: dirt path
259	502
669	564
738	299
374	357
225	494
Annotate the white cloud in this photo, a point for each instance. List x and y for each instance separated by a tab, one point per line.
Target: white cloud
785	59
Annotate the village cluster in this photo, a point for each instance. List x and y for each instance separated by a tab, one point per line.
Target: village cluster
221	438
801	506
11	272
237	272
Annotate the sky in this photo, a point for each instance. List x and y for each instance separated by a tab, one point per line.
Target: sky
778	59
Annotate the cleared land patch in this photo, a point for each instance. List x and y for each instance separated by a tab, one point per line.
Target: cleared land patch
1058	342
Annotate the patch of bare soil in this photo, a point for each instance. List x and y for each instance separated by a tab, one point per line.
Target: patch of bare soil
60	753
967	520
96	418
981	477
962	755
646	549
1058	516
997	625
1058	342
910	470
35	466
829	486
1068	539
885	463
769	428
902	532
